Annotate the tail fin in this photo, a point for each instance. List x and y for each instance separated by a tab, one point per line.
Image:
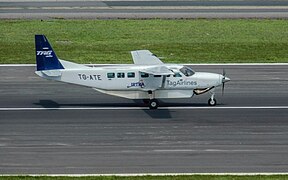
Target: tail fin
46	58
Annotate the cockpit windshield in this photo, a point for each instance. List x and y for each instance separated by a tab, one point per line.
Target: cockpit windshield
187	71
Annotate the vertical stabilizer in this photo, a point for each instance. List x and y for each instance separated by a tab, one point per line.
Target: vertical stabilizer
46	58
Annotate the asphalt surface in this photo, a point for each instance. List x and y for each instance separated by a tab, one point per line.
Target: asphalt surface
247	134
143	9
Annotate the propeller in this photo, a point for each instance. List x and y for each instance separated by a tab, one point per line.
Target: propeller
224	80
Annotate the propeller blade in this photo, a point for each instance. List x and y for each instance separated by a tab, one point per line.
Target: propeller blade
223	85
223	81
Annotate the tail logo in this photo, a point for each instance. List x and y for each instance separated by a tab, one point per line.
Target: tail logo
44	53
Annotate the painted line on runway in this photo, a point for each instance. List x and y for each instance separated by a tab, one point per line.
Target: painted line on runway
183	7
196	64
206	150
150	174
139	108
228	107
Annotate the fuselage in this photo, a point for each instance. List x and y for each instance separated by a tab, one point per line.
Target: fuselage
130	78
129	81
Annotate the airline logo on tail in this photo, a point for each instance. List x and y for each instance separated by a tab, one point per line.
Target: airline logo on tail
44	53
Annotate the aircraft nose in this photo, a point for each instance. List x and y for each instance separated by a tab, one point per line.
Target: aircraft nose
226	79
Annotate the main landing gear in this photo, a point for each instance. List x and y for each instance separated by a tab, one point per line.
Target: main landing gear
153	103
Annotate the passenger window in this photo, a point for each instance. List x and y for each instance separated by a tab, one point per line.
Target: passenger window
130	74
177	75
144	75
110	75
157	75
120	75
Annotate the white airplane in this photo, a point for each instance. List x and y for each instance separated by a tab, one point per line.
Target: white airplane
148	78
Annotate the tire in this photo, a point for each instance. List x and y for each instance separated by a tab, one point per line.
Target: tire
153	104
212	102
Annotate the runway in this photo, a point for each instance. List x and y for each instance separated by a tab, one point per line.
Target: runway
92	9
65	128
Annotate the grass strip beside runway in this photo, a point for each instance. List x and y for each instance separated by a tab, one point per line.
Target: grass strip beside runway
177	41
185	177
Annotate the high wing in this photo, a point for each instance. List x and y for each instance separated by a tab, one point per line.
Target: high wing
145	57
157	70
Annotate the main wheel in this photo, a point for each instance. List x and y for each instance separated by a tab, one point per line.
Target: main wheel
153	104
212	102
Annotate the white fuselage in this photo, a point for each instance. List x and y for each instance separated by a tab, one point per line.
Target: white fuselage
128	81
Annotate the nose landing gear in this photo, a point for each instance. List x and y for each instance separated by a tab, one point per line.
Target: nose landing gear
212	101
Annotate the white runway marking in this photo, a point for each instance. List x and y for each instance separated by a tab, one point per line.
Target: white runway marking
205	150
139	108
196	64
148	174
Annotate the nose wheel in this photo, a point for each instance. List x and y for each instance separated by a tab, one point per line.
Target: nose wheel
212	101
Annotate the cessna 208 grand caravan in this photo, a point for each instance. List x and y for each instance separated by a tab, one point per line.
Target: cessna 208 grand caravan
148	78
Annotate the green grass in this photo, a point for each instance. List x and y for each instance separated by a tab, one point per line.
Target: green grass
177	41
194	177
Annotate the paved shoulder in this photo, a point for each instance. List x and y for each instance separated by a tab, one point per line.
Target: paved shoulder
143	9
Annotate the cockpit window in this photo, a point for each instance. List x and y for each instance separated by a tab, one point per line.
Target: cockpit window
187	71
177	74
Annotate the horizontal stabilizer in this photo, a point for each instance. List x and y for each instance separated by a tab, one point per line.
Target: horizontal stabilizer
71	65
50	73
